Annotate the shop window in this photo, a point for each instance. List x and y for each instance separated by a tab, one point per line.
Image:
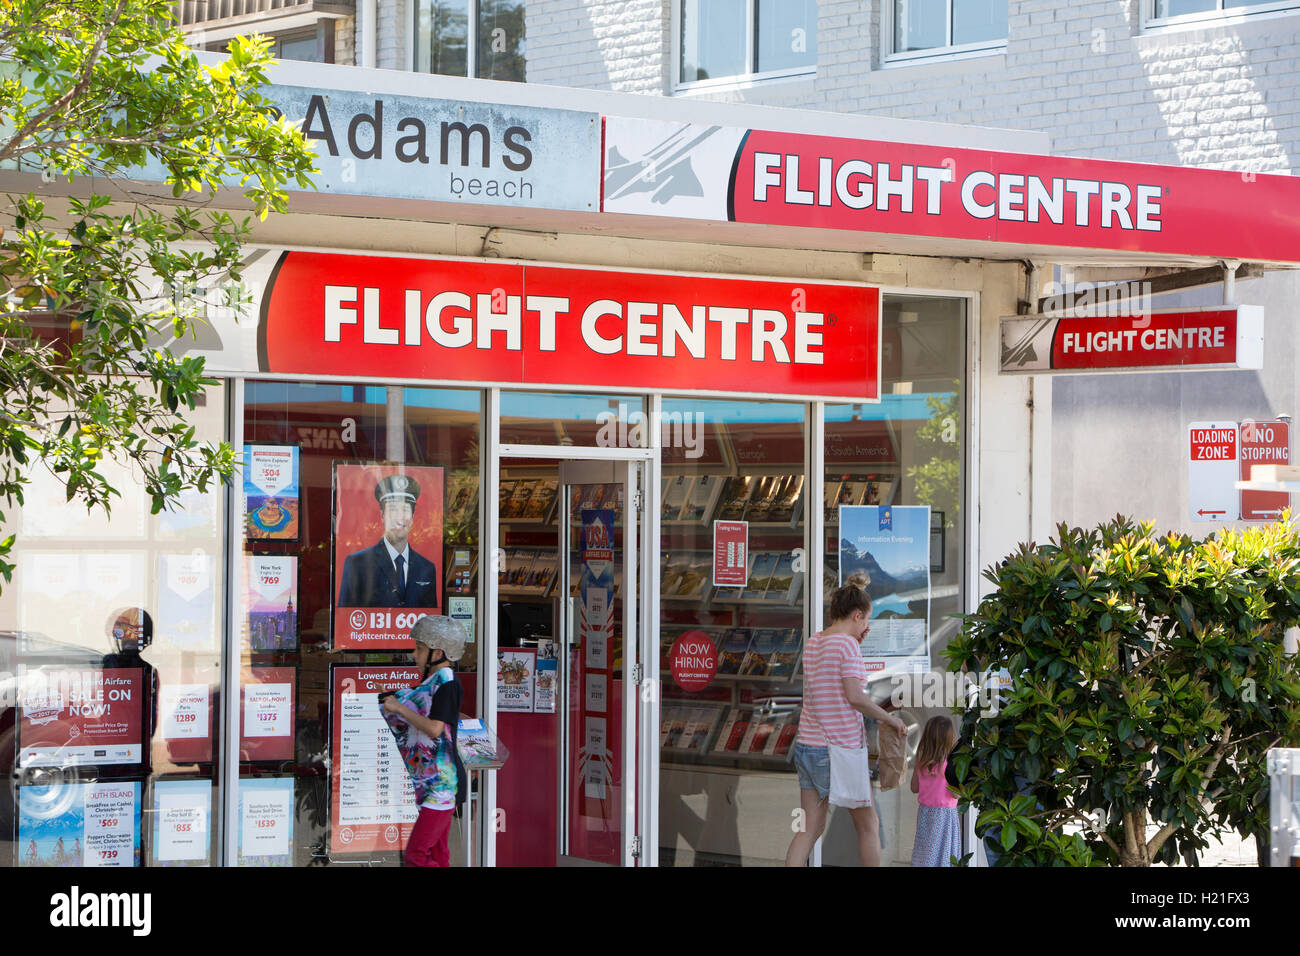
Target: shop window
476	38
926	28
894	500
726	740
333	475
727	40
110	740
1186	11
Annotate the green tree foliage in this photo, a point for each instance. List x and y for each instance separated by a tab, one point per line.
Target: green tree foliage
93	277
1148	678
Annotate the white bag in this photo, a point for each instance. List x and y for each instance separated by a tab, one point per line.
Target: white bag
850	777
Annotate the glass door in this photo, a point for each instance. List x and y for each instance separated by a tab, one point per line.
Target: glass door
597	654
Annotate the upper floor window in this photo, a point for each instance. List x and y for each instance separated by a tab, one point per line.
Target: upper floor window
1186	10
751	39
934	27
478	38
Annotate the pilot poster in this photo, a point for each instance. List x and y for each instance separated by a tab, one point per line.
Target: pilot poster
271	492
891	545
387	556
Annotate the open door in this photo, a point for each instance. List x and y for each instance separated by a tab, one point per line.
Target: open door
597	647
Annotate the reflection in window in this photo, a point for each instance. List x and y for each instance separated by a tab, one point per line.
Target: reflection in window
552	418
441	36
115	623
785	36
500	40
900	466
935	24
1163	9
483	38
714	45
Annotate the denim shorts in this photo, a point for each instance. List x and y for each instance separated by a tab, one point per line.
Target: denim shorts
813	765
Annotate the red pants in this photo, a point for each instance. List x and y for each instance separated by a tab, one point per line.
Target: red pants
428	845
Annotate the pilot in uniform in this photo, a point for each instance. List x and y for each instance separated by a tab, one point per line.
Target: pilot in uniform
391	573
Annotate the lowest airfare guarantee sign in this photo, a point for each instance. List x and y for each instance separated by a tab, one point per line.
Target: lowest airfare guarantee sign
506	323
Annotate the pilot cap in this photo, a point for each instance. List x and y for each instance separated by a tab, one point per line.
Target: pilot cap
397	488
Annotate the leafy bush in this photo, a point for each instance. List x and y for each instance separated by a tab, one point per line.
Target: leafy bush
1148	676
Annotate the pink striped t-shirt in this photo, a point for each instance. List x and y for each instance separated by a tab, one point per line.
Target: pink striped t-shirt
827	716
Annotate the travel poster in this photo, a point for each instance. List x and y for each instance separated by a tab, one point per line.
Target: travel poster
891	545
271	502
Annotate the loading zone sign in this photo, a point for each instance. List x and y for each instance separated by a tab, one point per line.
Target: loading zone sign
1212	471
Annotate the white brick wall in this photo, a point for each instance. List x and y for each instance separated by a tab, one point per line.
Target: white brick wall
619	45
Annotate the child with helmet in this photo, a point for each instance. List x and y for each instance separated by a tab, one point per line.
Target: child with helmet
424	718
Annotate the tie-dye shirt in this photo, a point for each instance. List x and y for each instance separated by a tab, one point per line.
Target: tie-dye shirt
430	762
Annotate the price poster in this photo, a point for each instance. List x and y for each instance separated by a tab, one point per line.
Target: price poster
185	720
79	717
270	601
266	714
80	824
266	821
182	815
271	492
730	553
186	617
387	553
516	676
372	800
891	544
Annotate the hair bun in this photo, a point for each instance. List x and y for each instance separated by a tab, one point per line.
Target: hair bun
858	579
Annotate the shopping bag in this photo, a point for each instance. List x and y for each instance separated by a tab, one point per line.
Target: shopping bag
891	758
850	777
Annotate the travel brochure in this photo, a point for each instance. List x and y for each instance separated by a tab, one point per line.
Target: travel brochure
849	490
770	577
764	499
713	728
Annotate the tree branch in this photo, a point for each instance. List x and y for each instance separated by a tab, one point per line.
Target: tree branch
82	84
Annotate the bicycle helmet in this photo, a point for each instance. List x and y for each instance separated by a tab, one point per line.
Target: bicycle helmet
441	632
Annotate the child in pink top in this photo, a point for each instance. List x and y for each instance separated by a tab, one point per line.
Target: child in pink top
938	825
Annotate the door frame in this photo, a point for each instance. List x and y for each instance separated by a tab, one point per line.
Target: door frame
639	812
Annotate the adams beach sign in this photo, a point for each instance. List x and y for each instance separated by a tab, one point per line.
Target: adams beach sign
408	147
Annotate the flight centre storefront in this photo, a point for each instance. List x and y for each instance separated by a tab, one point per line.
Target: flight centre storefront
629	387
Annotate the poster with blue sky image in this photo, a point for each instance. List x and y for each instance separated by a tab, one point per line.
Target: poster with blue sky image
80	824
891	545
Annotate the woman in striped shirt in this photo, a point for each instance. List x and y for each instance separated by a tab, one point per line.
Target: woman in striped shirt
835	698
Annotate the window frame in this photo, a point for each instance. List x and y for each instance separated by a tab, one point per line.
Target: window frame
471	41
1219	16
962	51
738	80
